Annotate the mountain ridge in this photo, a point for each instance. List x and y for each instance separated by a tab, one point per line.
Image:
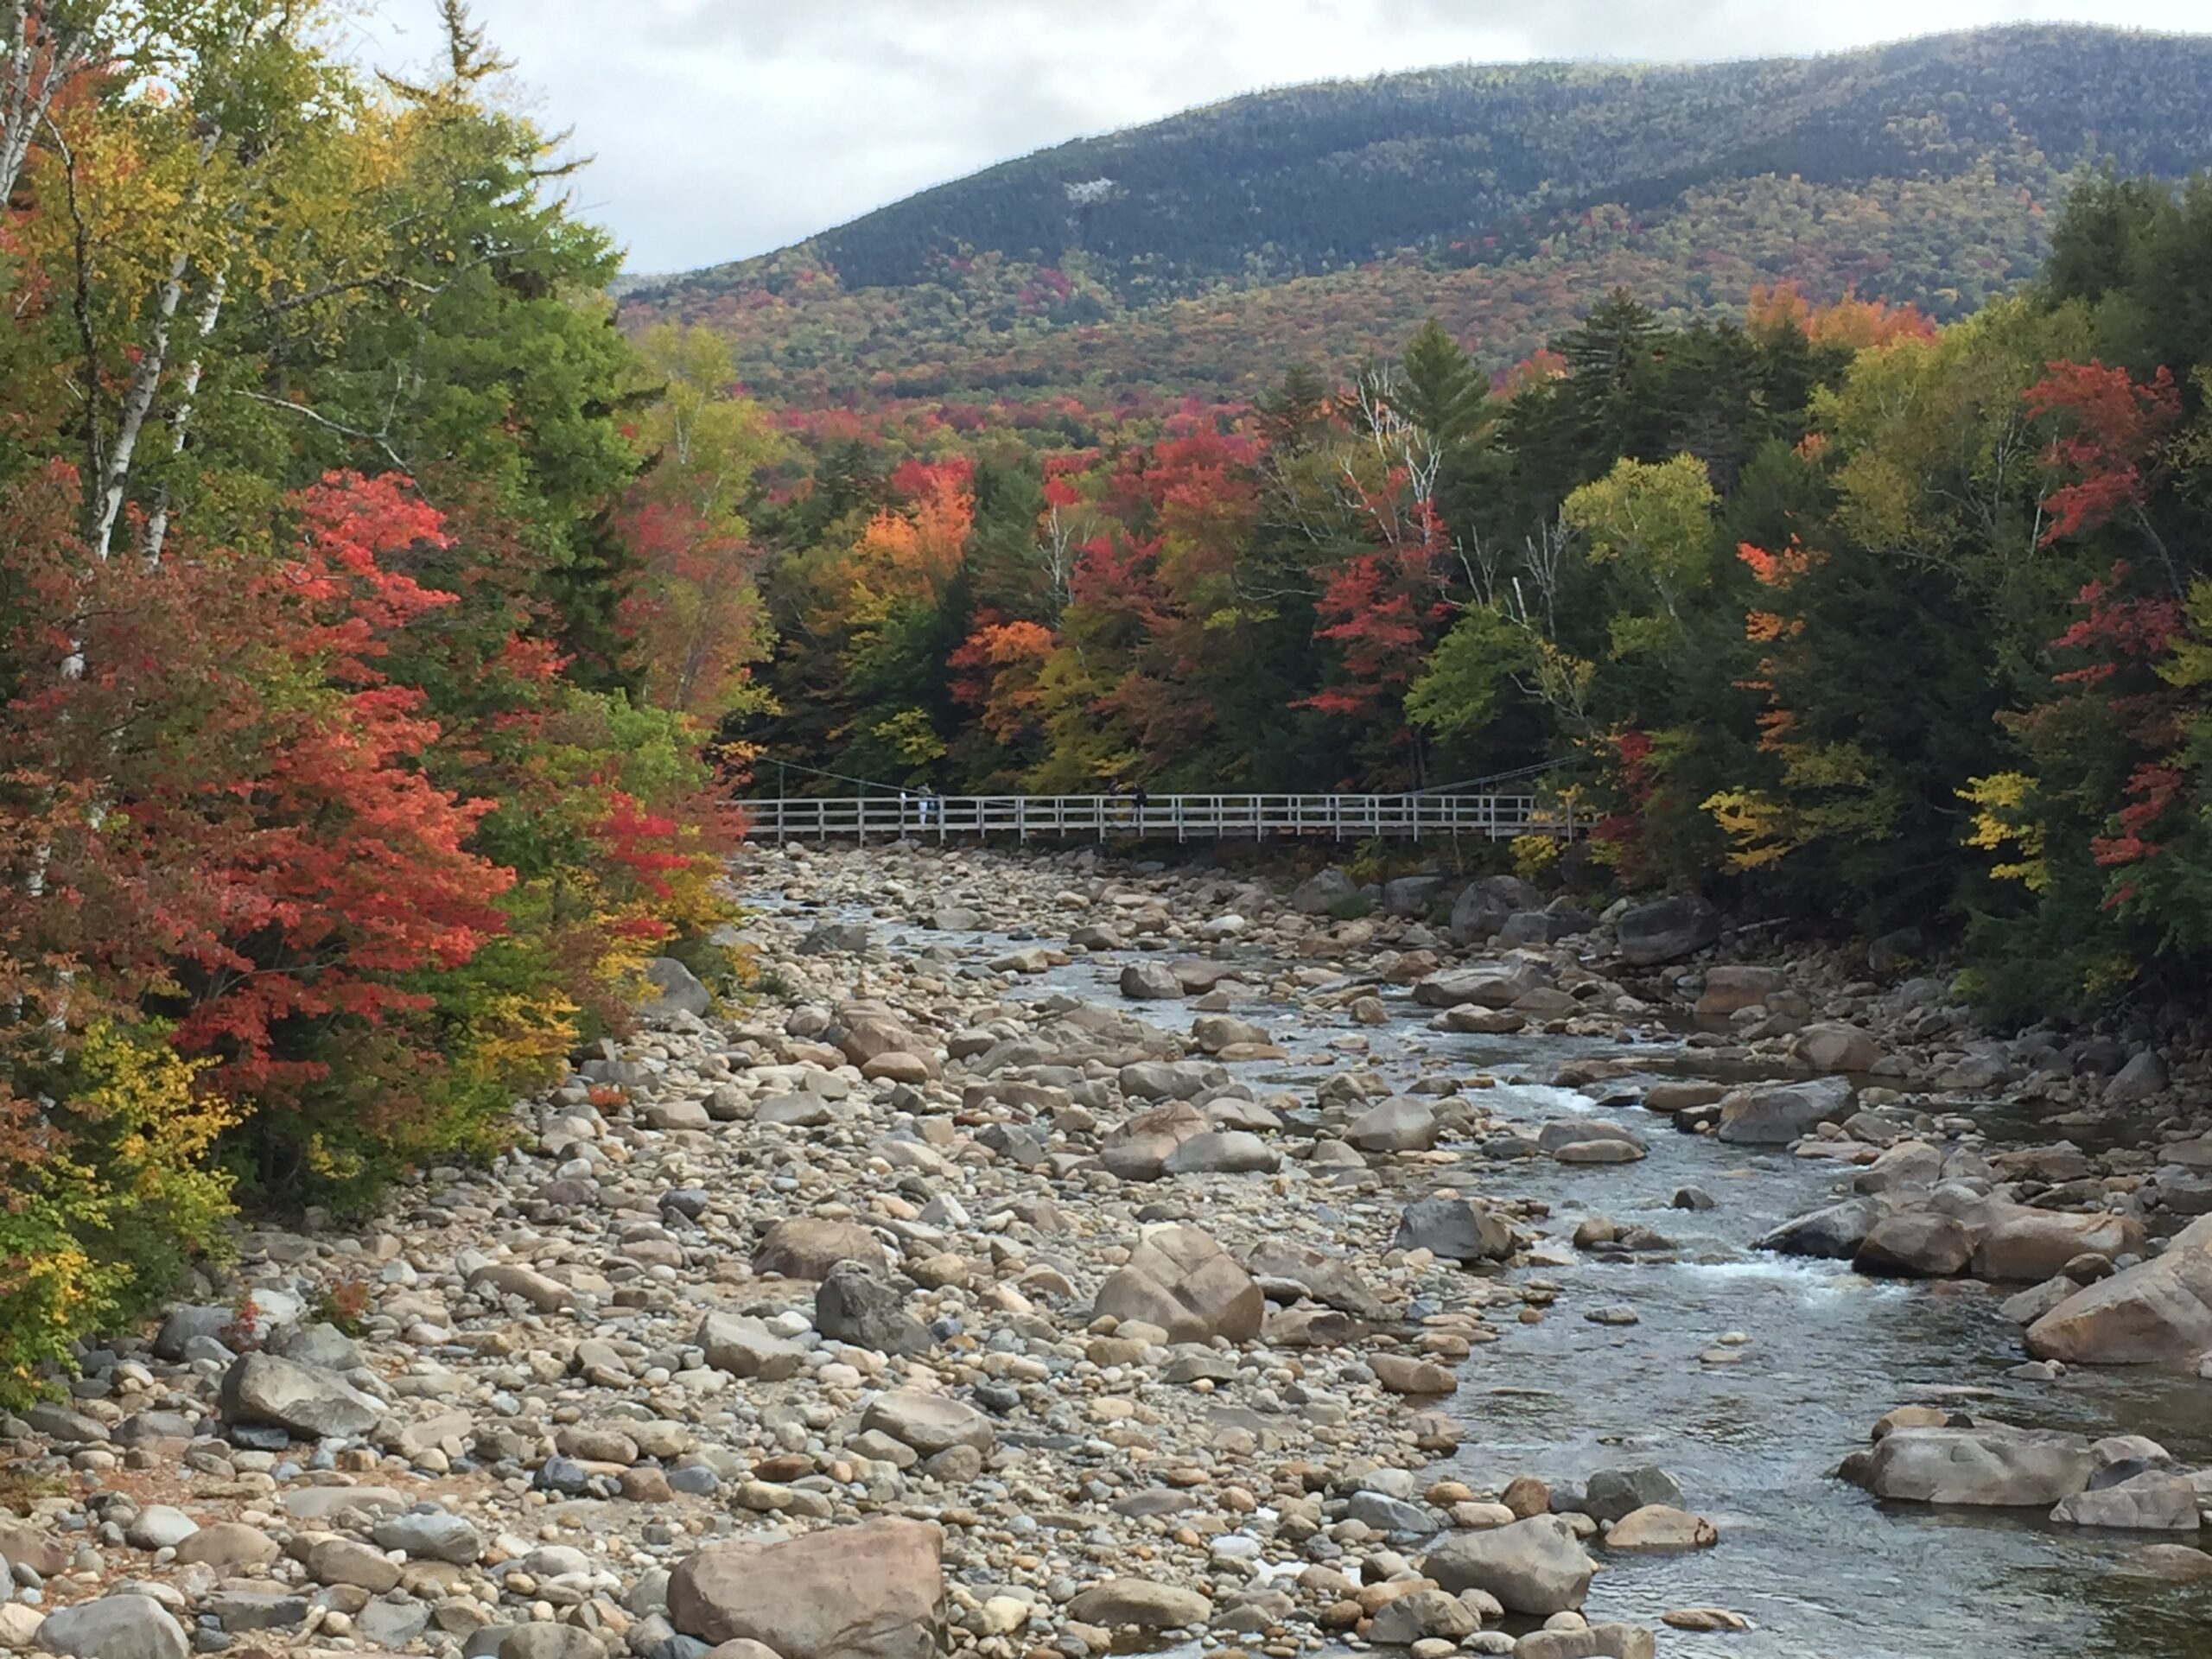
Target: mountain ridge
1459	167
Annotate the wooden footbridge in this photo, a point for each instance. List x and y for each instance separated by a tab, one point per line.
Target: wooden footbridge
1419	815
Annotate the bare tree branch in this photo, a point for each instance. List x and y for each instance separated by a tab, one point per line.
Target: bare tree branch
354	432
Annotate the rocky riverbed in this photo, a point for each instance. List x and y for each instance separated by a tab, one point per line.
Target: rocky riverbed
1048	1255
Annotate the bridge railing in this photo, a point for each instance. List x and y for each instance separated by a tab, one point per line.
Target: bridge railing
1179	817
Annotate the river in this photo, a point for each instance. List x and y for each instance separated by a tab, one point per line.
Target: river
1819	1354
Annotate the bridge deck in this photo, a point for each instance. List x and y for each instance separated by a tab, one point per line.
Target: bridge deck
1179	817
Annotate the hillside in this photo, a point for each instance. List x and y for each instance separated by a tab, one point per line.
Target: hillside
1206	251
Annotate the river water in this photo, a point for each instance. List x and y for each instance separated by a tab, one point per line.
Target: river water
1823	1571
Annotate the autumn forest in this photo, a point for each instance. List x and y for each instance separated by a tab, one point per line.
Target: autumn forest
392	615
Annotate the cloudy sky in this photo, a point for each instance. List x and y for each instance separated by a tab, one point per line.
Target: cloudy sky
724	128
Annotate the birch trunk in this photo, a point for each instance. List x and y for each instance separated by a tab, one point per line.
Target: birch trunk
36	61
145	383
157	528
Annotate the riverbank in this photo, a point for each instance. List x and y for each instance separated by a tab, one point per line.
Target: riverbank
1100	1249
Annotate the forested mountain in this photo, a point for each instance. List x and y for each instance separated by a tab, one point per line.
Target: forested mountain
1207	251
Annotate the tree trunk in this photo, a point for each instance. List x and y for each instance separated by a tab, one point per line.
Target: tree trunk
145	382
157	527
38	61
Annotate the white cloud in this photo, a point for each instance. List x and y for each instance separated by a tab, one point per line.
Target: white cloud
723	127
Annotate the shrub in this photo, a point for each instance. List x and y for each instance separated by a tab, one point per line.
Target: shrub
109	1194
1535	857
342	1304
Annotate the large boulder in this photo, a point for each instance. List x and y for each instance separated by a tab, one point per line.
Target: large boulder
744	1346
189	1321
1731	985
349	1561
1400	1123
2026	1307
1485	906
1223	1151
1143	1603
874	1590
868	1034
1170	1079
2144	1076
1591	1141
1835	1046
1609	1641
1908	1163
1403	1374
1612	1494
2180	1189
160	1526
1150	981
1542	927
1420	1615
305	1398
855	1305
1217	1033
1411	895
1774	1114
1916	1244
1834	1233
1456	1229
431	1534
1666	930
930	1423
2031	1245
230	1545
2155	1500
1318	894
834	938
2156	1312
676	990
1660	1528
543	1292
1327	1279
2164	1564
32	1547
1990	1465
1137	1147
1488	985
1179	1280
115	1627
1535	1566
807	1247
